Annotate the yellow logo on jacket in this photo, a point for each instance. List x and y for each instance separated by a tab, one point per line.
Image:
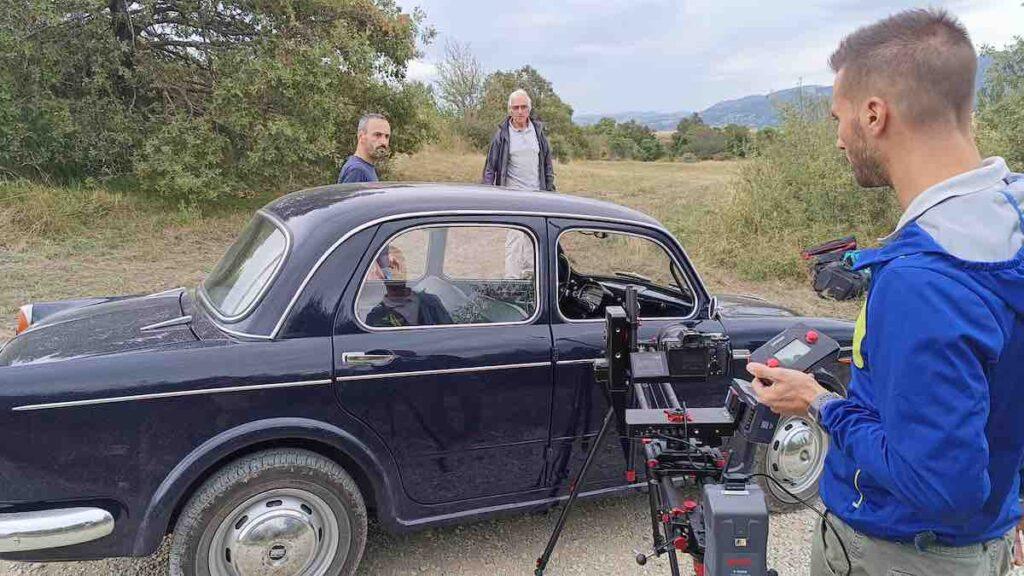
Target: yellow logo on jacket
858	335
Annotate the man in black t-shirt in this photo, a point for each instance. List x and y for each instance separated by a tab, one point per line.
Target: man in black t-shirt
373	145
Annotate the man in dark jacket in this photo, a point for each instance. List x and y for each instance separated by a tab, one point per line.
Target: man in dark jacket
520	156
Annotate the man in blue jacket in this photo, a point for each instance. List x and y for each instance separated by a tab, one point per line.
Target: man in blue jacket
922	473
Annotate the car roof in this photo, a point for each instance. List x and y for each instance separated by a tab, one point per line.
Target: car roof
347	206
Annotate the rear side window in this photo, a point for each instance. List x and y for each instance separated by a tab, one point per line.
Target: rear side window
451	275
247	269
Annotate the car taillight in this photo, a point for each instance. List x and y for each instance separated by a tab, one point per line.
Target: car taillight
24	318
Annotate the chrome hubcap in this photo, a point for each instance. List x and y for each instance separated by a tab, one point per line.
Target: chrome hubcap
796	456
285	532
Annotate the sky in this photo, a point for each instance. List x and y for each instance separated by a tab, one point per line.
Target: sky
607	56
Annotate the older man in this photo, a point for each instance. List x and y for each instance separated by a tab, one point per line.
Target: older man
520	156
372	146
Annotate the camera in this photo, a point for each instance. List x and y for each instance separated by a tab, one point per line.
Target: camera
711	449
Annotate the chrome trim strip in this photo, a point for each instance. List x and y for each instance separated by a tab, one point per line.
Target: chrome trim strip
239	333
740	354
696	308
266	285
179	321
358	229
374	376
444	371
536	279
581	361
164	293
115	399
42	529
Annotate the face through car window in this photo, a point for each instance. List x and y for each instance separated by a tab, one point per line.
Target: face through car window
595	266
451	275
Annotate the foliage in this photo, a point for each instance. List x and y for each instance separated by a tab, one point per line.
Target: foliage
797	190
460	81
201	98
566	138
693	136
622	141
1000	117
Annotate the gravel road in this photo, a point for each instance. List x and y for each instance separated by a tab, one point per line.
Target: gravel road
599	539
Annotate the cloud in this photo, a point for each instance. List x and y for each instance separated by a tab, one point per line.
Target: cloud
613	55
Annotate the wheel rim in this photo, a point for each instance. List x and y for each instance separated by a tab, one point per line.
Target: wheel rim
796	456
283	532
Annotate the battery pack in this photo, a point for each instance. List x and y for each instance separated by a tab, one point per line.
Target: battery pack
736	530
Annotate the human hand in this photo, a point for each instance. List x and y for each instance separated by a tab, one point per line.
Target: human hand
787	392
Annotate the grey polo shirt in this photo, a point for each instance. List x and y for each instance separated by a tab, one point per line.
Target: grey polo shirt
523	158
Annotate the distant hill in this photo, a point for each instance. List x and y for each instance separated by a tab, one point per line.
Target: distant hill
759	110
654	120
756	111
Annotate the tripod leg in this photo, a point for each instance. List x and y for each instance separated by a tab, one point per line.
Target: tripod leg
574	489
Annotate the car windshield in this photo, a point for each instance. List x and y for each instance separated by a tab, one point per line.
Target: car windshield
247	268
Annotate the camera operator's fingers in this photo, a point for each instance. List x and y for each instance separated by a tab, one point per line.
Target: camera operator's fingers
765	373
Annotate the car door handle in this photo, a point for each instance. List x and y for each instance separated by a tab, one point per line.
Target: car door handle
364	359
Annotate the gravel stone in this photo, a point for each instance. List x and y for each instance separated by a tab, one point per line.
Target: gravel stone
600	539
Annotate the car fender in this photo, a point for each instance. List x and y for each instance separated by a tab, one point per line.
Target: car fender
175	488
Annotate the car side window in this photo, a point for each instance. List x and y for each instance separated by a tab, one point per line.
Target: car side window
484	275
596	266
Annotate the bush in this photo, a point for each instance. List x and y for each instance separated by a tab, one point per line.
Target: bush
798	190
1000	117
29	210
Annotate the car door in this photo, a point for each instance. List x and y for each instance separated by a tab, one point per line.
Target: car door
592	264
443	348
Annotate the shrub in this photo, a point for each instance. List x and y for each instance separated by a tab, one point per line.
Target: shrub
797	191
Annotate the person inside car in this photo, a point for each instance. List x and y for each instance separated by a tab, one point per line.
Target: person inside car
400	305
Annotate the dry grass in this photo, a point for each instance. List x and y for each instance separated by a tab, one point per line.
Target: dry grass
680	195
61	244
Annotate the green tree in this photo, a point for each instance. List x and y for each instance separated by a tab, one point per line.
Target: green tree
548	107
1000	117
684	130
200	97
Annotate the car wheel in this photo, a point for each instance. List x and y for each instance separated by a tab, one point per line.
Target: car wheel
795	458
280	512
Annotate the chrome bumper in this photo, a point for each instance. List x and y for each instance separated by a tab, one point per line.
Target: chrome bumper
22	531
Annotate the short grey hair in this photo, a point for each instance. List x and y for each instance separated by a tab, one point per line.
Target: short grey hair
520	92
364	120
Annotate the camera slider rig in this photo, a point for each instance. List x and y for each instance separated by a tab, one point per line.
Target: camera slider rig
710	449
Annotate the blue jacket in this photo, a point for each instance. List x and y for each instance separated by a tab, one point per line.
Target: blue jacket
929	443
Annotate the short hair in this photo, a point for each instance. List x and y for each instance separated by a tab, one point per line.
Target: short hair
922	58
520	92
364	120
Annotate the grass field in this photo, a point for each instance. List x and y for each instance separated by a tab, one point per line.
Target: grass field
64	243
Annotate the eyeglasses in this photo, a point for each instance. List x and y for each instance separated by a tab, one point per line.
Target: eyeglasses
520	107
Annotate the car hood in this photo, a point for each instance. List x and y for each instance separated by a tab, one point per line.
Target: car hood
735	306
104	327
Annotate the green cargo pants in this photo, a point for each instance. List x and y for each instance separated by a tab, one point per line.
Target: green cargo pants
873	557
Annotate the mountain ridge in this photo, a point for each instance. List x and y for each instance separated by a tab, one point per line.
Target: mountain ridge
755	110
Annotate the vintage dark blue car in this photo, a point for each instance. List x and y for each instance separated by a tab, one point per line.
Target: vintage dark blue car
416	353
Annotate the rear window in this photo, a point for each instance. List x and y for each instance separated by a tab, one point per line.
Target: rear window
247	268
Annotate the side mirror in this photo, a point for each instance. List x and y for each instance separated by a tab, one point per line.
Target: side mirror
714	312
